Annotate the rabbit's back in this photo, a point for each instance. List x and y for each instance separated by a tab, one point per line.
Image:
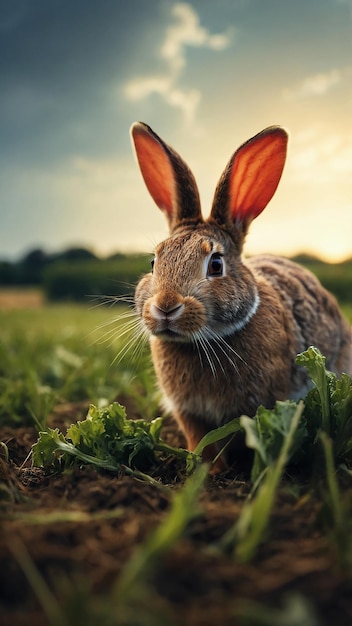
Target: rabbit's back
316	317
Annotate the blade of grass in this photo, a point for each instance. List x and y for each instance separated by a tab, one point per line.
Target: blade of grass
213	436
246	535
183	509
296	610
230	428
51	607
333	488
339	515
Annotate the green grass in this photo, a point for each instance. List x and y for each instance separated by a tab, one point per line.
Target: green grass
62	354
67	353
347	309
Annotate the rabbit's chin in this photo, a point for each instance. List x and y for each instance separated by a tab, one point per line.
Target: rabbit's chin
171	335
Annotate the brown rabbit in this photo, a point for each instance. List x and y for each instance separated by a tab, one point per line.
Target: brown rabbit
224	332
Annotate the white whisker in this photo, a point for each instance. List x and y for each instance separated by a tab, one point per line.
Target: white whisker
229	347
203	343
219	342
111	300
211	343
215	354
135	345
124	327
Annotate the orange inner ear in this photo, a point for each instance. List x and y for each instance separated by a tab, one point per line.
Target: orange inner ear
256	173
156	170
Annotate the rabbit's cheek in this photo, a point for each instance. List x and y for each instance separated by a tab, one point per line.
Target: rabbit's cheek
194	317
142	293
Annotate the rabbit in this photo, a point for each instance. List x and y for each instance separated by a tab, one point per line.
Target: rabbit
224	331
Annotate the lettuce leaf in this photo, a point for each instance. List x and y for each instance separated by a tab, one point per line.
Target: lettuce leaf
106	438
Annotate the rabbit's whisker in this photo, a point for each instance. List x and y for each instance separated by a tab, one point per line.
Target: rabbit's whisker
203	343
134	344
225	347
119	331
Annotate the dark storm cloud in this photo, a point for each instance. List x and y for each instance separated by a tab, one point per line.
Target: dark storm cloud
61	65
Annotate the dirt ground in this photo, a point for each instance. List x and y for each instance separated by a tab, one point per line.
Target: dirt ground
193	586
12	298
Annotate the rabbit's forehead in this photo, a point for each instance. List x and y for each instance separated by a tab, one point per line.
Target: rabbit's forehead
193	245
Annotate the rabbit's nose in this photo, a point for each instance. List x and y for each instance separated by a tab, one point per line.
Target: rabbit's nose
171	312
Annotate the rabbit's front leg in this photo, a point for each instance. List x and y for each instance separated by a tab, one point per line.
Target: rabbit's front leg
194	430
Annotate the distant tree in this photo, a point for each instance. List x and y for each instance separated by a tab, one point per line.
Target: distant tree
7	273
307	259
77	254
30	268
35	258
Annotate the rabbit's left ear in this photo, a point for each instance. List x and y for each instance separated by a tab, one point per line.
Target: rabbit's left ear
250	179
167	177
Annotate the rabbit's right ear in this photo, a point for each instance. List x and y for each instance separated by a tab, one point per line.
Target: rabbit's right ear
250	180
167	177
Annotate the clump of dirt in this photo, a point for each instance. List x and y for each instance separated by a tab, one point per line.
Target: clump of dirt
108	516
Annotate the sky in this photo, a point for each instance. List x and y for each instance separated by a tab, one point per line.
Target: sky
206	76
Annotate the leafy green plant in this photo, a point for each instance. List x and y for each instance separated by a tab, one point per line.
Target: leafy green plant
328	406
106	439
289	432
267	432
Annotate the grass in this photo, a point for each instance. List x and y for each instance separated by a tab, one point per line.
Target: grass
58	354
66	353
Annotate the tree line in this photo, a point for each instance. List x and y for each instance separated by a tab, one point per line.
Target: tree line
75	273
78	273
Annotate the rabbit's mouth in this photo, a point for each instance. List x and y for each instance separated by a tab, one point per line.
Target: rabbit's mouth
169	335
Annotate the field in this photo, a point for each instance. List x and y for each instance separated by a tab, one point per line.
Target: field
90	546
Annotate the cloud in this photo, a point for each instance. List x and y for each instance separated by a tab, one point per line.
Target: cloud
316	85
185	100
188	32
185	32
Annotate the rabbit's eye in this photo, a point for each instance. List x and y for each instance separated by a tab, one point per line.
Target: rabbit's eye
152	263
215	265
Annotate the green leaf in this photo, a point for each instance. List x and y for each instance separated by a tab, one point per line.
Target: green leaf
249	531
314	362
106	439
213	436
328	404
44	452
341	407
266	432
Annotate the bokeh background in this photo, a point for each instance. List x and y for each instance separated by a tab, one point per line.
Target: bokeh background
75	74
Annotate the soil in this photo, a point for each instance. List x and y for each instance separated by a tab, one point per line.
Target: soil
20	298
83	556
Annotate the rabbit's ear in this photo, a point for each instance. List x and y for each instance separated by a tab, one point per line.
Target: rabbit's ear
167	177
250	179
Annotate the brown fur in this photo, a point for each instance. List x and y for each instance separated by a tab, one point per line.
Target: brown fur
222	344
